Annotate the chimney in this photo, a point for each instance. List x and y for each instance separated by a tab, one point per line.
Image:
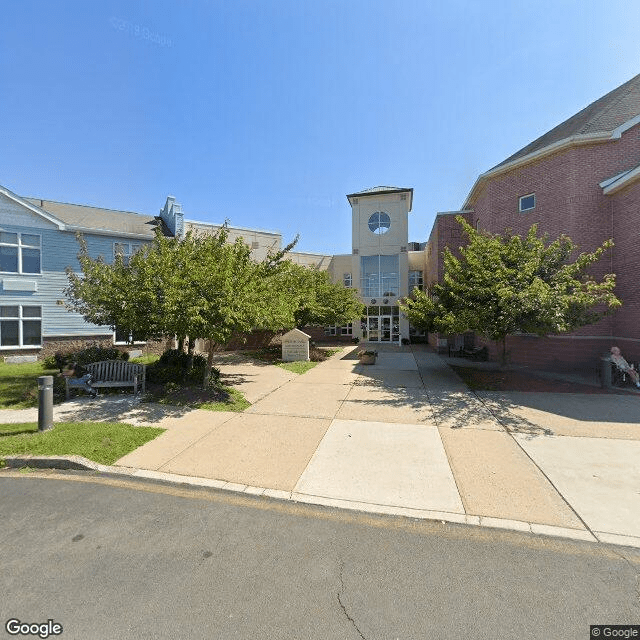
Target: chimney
173	216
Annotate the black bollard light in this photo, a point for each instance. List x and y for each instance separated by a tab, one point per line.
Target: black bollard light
45	403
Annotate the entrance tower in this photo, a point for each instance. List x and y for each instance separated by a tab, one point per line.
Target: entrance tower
380	264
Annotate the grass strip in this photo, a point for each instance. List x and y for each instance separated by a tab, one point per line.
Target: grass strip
298	366
19	384
103	442
236	402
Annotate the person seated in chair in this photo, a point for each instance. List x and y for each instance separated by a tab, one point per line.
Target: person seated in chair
80	378
623	365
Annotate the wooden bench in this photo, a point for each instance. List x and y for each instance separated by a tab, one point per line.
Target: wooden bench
113	373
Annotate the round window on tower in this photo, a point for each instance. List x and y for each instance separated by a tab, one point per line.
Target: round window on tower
379	222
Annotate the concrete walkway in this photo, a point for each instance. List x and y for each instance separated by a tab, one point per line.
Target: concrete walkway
405	436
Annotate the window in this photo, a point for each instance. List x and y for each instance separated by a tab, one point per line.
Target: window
379	276
346	279
125	249
415	280
20	326
20	252
334	330
347	330
379	222
528	202
123	336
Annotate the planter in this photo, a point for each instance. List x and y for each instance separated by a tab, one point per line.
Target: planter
368	357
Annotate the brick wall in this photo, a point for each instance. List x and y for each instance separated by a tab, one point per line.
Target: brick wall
625	213
569	200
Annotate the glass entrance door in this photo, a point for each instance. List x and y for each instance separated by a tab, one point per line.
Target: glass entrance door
379	328
385	328
373	328
381	324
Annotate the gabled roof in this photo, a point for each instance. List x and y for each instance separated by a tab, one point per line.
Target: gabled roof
32	207
605	119
617	182
112	222
382	190
605	114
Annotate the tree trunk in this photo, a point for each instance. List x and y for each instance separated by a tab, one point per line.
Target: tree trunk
191	343
207	371
503	357
181	343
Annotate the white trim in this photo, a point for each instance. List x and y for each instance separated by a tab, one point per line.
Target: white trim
621	181
32	207
20	320
19	246
608	181
578	139
108	232
617	133
521	198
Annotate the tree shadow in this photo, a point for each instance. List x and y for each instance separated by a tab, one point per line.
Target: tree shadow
116	408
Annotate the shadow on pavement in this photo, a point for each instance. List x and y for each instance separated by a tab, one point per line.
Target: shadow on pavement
116	408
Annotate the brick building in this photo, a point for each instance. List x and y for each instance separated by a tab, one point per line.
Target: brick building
582	179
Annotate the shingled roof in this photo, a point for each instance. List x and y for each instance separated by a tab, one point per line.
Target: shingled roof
603	115
94	218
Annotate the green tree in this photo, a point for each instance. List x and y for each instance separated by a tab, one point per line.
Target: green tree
199	286
106	293
319	300
505	284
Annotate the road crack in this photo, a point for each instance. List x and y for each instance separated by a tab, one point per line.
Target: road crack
344	609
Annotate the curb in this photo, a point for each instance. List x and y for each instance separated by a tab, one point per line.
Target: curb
78	463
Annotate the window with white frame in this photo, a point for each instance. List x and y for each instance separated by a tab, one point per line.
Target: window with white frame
20	326
346	280
334	330
415	280
124	336
379	276
347	330
20	252
125	249
528	202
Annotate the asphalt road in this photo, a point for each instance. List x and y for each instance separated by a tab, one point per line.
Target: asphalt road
110	558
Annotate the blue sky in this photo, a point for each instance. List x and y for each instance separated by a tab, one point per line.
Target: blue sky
268	112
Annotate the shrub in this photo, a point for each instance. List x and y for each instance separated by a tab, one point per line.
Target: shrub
173	366
86	356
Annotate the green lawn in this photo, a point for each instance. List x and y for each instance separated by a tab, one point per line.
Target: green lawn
236	402
297	367
19	384
145	359
272	356
103	442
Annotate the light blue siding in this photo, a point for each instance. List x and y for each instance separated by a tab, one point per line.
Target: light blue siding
59	250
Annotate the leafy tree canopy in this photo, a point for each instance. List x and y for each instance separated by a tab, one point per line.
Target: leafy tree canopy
319	300
505	284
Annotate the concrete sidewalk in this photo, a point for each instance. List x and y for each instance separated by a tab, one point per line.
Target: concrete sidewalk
406	436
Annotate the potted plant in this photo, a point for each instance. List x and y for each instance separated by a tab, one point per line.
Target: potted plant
367	356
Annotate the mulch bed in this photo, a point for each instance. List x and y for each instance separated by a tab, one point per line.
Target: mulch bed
187	395
483	380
